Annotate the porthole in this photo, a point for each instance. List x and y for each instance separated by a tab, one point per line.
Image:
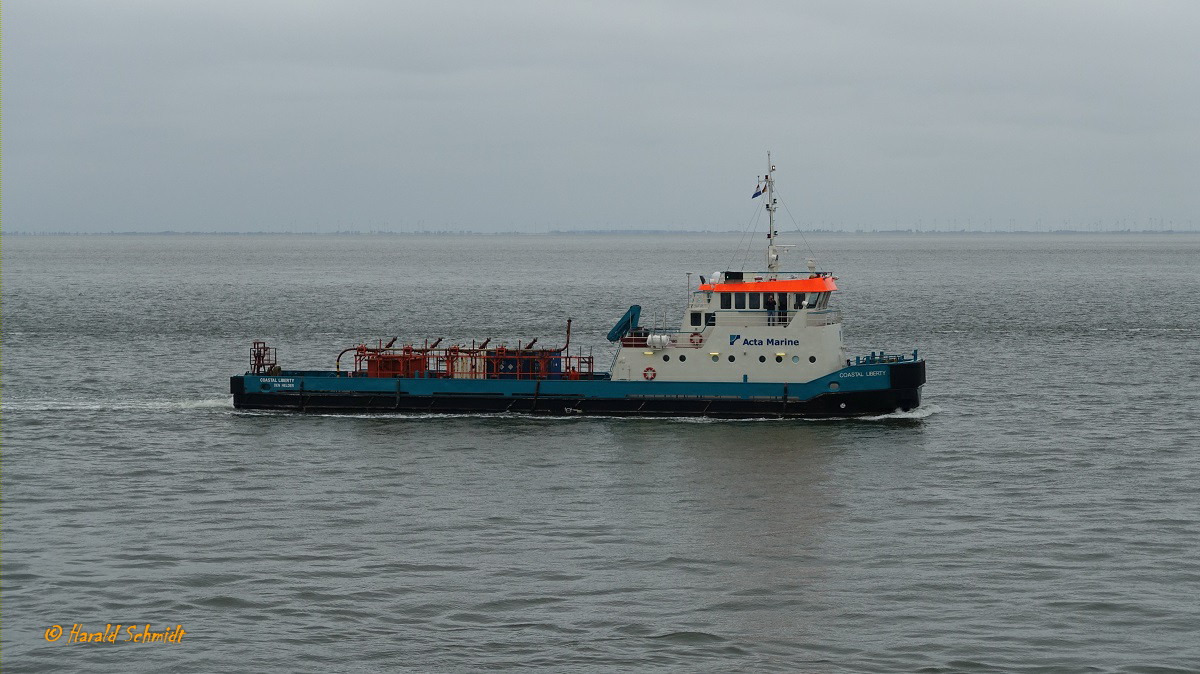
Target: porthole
666	357
682	358
762	359
716	358
795	359
778	359
833	386
731	359
812	359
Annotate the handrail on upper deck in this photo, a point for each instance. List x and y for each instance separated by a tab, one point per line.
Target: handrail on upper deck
881	357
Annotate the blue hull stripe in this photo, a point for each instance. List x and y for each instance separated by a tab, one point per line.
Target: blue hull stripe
850	379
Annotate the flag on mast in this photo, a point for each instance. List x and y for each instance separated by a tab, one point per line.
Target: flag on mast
757	192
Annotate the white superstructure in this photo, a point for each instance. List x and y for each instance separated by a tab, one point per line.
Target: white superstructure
745	326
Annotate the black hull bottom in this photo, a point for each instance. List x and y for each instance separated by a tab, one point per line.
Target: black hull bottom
850	404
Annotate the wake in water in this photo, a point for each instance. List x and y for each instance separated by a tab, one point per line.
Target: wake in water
922	412
18	406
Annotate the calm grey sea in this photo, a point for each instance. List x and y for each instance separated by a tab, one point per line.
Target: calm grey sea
1041	512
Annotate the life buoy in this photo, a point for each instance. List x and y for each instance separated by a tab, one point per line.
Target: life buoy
696	339
649	373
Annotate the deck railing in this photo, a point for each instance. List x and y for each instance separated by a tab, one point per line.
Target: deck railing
823	317
754	318
472	363
658	339
263	359
764	318
881	357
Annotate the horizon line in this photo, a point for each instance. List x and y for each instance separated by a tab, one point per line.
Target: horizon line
603	232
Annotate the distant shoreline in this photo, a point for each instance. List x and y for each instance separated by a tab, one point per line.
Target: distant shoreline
635	232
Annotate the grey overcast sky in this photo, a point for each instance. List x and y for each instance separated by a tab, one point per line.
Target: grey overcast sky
284	115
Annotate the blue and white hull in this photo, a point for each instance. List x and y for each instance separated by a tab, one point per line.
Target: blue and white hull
857	390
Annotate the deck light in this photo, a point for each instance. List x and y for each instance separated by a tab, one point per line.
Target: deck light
648	353
781	354
714	353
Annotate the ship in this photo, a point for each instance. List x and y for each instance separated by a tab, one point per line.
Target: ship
750	344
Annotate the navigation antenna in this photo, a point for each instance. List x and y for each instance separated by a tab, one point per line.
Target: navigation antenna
773	250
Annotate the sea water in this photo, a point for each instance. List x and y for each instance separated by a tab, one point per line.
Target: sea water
1039	512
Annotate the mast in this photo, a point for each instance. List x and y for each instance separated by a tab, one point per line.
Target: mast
772	250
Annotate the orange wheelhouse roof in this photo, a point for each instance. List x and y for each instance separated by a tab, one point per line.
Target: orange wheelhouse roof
797	285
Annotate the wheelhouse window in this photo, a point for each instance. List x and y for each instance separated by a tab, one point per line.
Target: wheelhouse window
739	300
696	318
754	300
799	300
726	300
